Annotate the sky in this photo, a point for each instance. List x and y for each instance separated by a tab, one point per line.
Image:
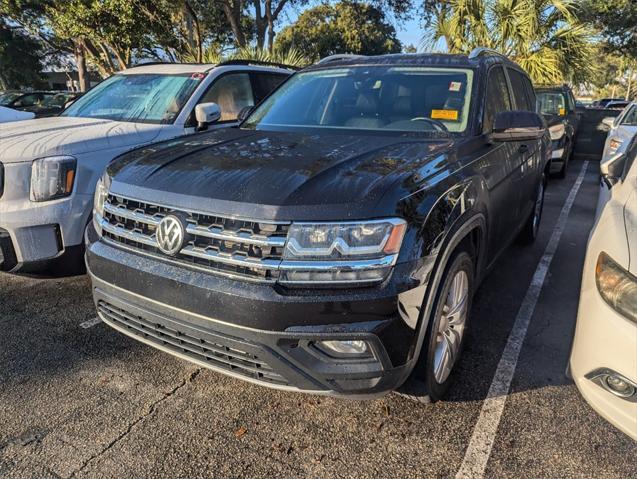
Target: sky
410	33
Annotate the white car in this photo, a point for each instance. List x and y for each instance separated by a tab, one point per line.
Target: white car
604	356
49	167
8	115
622	129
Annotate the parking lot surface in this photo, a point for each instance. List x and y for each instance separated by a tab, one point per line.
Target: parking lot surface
78	399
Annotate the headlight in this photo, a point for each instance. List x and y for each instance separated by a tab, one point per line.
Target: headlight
341	253
52	177
613	145
101	192
557	131
617	286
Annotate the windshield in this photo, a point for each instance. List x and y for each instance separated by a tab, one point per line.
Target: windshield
143	98
8	97
630	118
398	99
551	103
58	100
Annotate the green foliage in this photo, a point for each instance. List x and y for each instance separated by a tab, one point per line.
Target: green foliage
545	37
290	57
345	27
20	58
617	22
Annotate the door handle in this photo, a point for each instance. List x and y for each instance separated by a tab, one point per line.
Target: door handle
523	148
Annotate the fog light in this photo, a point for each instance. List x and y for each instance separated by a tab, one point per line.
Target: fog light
349	348
618	386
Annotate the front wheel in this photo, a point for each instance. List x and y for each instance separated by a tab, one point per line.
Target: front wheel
446	331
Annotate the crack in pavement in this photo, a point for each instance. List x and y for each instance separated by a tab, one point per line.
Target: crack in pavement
150	411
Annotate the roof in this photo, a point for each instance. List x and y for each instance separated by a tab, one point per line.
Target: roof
415	59
169	68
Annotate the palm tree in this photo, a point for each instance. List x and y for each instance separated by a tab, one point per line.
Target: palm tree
291	57
544	37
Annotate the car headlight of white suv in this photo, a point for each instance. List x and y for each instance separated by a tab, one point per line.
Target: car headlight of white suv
52	177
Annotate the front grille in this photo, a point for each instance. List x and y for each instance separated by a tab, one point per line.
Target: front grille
211	349
248	249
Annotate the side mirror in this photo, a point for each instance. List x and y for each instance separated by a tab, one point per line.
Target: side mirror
609	121
207	114
518	126
612	169
244	113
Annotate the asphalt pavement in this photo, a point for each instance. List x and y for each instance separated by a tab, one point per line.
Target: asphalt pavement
78	399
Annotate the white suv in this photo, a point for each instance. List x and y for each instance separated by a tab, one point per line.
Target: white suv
49	167
604	357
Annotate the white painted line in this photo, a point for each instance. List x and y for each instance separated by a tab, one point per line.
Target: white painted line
479	449
91	322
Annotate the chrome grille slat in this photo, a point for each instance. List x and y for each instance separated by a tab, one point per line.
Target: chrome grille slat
224	245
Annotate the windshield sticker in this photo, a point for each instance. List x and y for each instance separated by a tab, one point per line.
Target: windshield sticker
562	111
455	86
197	76
444	114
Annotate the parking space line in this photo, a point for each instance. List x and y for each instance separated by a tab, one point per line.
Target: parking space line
91	322
479	449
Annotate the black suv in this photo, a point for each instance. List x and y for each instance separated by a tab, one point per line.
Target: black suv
332	243
557	104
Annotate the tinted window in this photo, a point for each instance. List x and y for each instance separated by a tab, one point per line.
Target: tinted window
497	99
631	153
522	101
264	83
630	118
29	100
398	99
232	92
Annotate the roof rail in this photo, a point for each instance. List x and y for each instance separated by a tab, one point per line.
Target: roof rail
339	56
478	52
257	62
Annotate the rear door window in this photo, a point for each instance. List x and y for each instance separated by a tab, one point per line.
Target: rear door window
522	100
264	83
497	98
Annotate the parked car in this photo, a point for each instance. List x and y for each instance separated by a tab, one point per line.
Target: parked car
557	104
53	105
604	357
617	105
8	115
622	130
605	101
51	165
19	100
331	244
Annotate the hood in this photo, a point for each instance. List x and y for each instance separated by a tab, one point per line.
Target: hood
27	140
273	174
630	219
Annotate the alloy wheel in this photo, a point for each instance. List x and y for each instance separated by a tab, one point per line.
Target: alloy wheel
451	326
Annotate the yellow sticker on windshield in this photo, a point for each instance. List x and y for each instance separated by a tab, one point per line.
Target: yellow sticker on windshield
444	114
562	111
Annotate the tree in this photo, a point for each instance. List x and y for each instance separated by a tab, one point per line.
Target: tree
20	58
544	36
345	27
617	22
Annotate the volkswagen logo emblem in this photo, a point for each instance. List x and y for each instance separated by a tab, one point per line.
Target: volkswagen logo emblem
171	235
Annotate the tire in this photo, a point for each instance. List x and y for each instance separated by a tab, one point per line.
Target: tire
529	232
433	374
562	173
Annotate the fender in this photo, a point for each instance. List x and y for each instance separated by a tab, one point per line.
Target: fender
458	213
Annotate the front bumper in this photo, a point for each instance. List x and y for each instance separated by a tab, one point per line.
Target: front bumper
258	332
604	340
33	232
